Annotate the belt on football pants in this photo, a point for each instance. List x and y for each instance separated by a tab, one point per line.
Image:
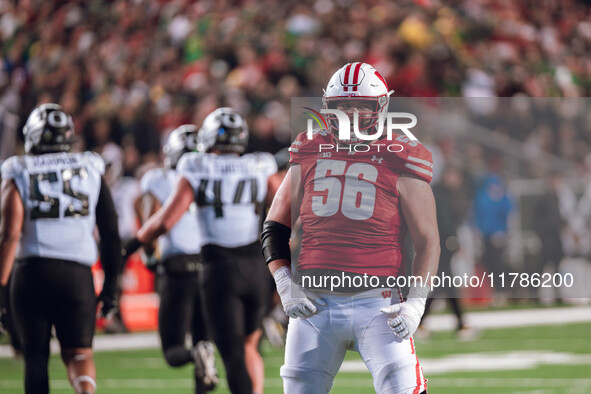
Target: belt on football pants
181	264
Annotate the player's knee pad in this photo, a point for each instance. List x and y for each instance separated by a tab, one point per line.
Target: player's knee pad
305	381
69	356
72	356
397	377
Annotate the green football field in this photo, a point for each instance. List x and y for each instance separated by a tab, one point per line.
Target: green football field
543	359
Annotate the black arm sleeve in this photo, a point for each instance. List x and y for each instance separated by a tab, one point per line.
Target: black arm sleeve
110	244
275	241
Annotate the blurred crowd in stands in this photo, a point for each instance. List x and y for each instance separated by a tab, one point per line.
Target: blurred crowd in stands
131	71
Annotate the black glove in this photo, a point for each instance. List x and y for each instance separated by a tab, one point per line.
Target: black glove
151	262
108	299
3	310
130	247
108	305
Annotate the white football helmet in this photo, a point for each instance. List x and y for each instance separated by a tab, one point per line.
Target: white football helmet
181	140
223	130
48	129
359	82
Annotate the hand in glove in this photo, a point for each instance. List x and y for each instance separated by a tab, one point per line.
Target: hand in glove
108	299
295	302
407	315
129	248
108	306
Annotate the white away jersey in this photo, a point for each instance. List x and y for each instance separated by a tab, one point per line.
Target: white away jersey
184	237
228	189
59	193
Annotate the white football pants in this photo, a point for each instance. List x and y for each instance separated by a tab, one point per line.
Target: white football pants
315	347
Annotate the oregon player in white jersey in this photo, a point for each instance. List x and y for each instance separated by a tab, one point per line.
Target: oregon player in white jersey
51	201
229	188
62	188
178	269
230	214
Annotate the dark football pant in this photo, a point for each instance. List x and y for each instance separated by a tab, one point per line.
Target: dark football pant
46	292
14	338
181	311
235	293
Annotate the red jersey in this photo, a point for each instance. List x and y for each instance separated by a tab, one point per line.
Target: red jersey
350	211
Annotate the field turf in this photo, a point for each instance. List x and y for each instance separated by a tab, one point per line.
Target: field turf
534	360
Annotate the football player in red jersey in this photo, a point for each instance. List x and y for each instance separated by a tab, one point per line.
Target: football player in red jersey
356	207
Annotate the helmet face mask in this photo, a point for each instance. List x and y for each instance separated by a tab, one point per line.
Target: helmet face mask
181	140
223	130
357	88
48	130
363	111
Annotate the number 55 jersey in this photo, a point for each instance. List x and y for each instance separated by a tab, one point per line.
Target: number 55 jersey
350	212
59	192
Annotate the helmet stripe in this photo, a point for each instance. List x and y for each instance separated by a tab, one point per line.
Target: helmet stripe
382	79
356	76
346	80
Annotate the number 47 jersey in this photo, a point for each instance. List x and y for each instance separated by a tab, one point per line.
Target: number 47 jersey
59	193
228	190
350	212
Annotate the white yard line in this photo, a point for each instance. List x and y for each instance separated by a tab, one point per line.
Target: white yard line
488	361
513	318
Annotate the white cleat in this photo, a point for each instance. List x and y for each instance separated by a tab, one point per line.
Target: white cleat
205	370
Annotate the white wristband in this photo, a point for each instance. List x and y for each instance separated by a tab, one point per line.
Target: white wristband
282	278
281	274
420	293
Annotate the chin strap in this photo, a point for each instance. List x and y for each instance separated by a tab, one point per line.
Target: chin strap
391	92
